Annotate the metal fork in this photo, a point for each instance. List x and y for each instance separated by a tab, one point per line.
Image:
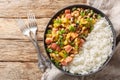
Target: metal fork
26	31
33	28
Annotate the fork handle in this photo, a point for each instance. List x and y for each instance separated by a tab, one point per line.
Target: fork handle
41	58
46	61
41	62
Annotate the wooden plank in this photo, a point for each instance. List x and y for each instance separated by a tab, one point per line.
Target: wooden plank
19	71
10	30
42	8
18	50
14	46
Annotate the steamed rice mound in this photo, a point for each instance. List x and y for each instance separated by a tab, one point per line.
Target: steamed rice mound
95	51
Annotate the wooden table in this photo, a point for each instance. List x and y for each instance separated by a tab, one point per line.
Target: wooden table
18	57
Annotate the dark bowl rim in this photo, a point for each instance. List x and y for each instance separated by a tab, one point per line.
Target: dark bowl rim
97	11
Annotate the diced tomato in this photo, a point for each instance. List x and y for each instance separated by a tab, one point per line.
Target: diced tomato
48	40
53	46
68	16
68	48
58	48
67	11
82	41
66	61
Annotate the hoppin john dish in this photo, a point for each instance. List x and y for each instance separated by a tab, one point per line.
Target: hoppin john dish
78	40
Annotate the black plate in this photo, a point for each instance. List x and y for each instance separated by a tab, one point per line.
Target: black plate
96	11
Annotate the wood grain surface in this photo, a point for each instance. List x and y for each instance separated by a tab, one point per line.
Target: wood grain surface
19	71
42	8
18	57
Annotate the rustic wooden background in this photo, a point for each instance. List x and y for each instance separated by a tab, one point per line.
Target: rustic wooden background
18	57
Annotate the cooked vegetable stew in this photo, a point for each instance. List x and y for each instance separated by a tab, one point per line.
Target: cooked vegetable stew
67	33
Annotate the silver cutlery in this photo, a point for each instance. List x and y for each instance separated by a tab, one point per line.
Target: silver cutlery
30	31
33	28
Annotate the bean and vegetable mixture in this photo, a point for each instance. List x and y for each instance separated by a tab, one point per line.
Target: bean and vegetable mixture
67	33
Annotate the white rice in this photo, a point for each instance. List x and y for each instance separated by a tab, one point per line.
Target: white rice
95	51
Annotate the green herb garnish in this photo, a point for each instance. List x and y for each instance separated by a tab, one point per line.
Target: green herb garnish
98	16
57	63
65	55
57	22
71	28
76	47
49	31
89	19
82	13
60	37
61	31
49	50
56	52
91	28
74	8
